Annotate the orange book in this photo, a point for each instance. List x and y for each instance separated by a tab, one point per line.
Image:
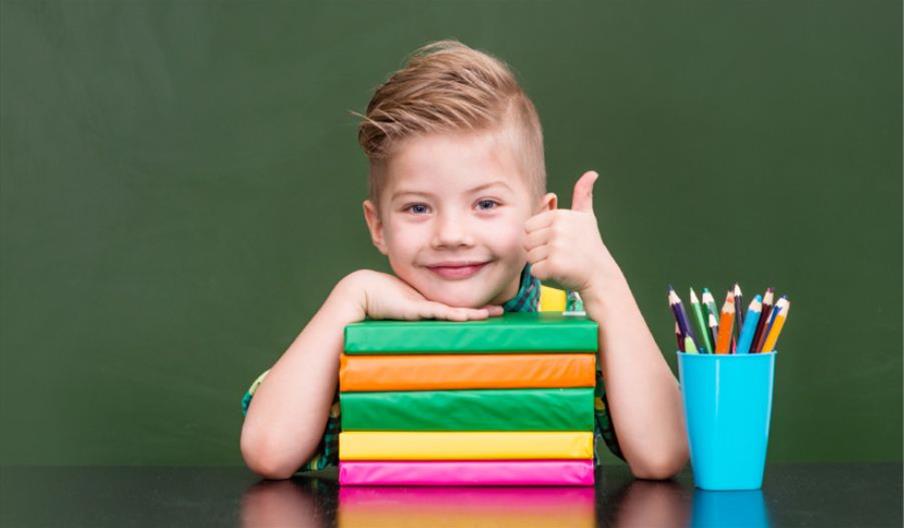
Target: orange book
465	371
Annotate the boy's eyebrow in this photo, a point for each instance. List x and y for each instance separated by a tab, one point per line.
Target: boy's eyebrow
475	189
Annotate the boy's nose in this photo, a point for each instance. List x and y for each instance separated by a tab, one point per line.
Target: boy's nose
451	231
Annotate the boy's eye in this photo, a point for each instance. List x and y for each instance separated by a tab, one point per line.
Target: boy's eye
417	208
487	204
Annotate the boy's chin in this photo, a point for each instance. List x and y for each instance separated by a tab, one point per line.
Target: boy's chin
457	299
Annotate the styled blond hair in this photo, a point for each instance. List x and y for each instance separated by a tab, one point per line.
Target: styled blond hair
448	87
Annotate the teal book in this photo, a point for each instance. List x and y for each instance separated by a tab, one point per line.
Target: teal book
512	332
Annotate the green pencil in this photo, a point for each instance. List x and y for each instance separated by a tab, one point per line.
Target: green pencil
689	346
700	324
710	312
710	302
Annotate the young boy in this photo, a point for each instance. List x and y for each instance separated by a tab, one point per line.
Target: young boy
458	203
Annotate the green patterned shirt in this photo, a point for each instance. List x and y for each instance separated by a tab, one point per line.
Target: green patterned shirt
526	300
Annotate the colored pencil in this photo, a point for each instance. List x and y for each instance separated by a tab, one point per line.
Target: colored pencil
710	309
710	303
706	346
689	345
761	340
739	317
739	308
750	321
768	326
713	330
772	316
783	305
726	324
678	337
680	314
759	336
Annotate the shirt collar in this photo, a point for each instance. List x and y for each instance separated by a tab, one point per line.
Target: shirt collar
528	295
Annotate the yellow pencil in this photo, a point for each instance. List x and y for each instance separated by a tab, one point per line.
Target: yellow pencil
785	305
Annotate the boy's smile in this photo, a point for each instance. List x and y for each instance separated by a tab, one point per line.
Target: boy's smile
456	270
451	216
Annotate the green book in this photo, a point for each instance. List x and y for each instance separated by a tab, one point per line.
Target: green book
538	409
512	332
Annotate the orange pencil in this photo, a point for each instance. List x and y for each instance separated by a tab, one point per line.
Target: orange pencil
726	321
784	305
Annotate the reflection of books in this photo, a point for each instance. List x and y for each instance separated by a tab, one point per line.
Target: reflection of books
522	507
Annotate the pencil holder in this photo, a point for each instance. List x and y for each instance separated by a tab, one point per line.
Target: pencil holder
716	509
727	406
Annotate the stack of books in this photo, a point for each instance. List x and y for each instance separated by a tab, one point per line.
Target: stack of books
502	401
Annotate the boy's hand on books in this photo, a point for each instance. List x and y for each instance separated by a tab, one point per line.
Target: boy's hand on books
565	244
384	296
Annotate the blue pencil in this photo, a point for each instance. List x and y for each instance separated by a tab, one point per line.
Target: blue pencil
750	321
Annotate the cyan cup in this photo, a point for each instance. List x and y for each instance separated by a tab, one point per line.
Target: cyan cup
721	509
727	407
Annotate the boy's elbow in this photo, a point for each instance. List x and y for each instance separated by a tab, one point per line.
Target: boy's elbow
661	467
265	457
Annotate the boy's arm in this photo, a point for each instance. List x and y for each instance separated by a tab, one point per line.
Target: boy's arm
643	395
288	413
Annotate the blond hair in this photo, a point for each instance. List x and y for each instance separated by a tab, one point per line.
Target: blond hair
448	87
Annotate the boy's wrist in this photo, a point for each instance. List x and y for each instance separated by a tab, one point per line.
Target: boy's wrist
347	298
609	284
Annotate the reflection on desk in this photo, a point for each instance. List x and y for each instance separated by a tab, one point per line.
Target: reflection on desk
618	500
816	495
416	507
640	503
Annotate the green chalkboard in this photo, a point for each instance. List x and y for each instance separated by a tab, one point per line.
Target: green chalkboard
181	187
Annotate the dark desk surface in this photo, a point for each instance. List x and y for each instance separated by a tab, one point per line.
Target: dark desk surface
819	495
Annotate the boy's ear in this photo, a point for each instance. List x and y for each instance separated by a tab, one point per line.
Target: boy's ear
549	202
374	225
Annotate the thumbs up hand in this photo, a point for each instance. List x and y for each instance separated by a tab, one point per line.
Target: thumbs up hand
565	244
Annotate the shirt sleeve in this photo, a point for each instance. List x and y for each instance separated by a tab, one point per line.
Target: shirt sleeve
327	453
604	426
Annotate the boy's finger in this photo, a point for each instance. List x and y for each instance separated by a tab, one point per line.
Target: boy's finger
493	309
537	237
539	271
582	199
435	310
539	221
464	314
538	253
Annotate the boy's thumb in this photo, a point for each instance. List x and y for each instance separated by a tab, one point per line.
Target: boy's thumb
582	199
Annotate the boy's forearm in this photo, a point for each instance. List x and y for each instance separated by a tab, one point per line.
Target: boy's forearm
643	395
289	411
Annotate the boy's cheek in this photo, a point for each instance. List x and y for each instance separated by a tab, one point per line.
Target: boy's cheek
404	241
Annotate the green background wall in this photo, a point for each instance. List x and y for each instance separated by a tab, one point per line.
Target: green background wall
181	188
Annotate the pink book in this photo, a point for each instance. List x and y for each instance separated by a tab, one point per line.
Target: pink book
467	473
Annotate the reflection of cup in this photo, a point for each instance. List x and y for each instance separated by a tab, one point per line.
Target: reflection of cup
727	406
419	506
717	509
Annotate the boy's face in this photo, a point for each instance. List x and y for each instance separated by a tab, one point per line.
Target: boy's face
452	216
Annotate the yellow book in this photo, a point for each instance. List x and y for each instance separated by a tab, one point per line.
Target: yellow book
469	445
551	299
